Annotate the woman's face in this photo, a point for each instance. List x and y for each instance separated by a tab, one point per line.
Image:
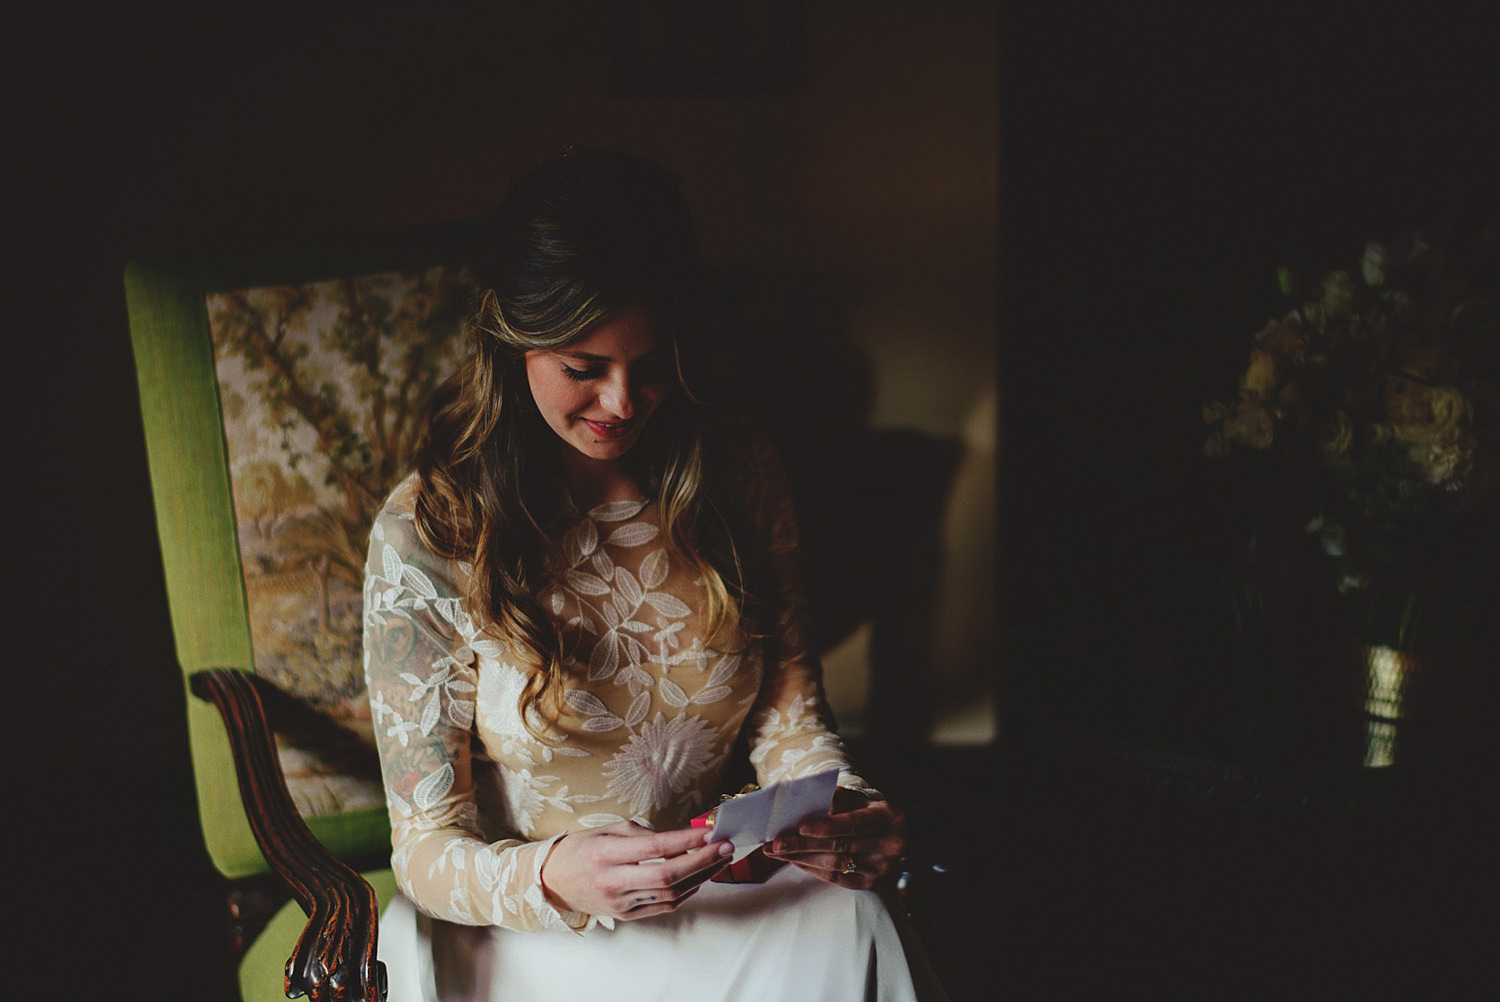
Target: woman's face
598	392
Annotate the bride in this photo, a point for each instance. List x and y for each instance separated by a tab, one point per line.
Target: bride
574	606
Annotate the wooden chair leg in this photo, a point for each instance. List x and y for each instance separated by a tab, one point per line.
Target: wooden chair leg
335	956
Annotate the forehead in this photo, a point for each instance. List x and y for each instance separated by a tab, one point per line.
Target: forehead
621	338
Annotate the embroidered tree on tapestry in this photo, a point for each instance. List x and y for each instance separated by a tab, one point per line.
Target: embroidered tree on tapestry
322	388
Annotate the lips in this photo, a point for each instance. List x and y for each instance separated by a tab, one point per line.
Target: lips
610	429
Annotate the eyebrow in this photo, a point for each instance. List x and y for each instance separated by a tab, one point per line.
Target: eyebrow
585	356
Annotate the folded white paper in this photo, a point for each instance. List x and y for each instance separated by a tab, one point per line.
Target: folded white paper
754	818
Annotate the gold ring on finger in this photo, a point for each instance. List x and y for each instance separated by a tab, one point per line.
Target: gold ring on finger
849	867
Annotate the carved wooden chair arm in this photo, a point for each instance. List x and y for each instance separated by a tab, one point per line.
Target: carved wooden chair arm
335	956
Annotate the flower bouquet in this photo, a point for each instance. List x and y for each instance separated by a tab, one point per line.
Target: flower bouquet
1364	432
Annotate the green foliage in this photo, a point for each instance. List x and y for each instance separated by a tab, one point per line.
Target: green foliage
1366	419
352	361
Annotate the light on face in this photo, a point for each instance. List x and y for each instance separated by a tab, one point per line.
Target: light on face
598	392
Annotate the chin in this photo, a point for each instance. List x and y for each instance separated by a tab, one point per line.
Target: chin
605	451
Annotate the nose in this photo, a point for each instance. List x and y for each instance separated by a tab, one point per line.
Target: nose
618	395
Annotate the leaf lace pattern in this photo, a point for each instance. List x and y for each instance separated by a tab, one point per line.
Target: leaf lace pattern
652	709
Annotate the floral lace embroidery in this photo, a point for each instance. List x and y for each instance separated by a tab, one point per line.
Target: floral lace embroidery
477	799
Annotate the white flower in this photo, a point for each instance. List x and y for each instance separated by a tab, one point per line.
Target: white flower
659	762
400	729
522	799
499	699
1338	294
1375	265
442	682
667	635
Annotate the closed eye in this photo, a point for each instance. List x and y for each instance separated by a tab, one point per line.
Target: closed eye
583	375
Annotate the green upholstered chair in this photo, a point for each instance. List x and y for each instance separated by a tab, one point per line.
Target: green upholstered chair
280	394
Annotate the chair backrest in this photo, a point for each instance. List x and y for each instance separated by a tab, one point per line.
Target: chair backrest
281	394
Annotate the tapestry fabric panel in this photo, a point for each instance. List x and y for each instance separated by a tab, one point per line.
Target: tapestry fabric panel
322	388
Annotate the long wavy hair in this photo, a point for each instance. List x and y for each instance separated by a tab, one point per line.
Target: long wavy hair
576	240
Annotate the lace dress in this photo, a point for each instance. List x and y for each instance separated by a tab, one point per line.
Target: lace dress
477	800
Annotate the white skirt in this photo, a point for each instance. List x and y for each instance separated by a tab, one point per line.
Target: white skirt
793	938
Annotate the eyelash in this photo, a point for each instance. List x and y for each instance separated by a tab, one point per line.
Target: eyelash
583	375
651	369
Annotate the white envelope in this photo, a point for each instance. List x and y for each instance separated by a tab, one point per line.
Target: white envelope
755	818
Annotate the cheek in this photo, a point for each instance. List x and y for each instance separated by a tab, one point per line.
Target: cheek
654	394
554	393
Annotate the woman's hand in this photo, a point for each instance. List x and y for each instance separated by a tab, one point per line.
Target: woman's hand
627	871
854	846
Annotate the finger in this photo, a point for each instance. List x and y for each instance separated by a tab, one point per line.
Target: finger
874	867
669	894
644	911
793	846
654	901
845	799
687	885
644	844
675	899
703	862
872	820
828	862
647	909
857	879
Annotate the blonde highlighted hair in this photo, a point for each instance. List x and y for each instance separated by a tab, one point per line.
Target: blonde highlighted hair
578	239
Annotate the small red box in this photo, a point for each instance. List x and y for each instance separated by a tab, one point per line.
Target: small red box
754	868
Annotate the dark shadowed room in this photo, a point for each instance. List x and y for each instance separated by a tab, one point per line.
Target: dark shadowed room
1134	371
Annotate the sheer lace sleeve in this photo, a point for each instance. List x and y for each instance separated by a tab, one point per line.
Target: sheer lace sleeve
420	651
790	726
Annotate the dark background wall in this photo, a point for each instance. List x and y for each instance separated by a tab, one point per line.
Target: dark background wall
1156	162
858	151
1161	161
